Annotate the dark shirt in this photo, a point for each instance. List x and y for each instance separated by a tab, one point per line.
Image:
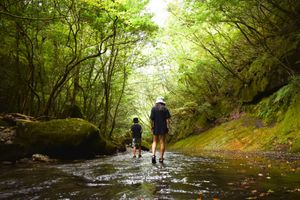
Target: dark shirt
136	130
159	116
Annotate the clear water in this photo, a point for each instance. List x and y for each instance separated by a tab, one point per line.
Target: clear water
180	177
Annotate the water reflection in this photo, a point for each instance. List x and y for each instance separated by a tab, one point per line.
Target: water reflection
122	177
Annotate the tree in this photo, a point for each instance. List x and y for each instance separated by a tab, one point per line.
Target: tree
74	52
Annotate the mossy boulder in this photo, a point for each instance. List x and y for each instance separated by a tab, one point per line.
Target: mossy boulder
72	111
66	138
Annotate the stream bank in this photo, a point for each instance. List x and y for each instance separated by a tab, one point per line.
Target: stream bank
245	134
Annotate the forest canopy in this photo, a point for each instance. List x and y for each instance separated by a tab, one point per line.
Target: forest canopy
57	55
107	61
230	54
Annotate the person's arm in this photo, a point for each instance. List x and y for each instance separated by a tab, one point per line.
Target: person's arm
152	119
168	119
131	130
168	123
152	125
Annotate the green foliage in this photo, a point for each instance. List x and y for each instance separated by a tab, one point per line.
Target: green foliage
235	53
274	108
72	111
79	52
247	134
279	129
223	54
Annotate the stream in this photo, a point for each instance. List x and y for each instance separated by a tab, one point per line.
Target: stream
179	177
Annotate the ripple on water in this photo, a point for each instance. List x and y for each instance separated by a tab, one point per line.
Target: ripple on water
98	184
121	177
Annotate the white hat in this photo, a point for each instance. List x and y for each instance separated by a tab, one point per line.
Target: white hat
160	100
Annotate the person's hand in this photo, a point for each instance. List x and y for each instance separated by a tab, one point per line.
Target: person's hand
170	130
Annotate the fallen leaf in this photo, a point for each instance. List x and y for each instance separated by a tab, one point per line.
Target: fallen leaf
200	196
269	165
251	198
253	191
263	194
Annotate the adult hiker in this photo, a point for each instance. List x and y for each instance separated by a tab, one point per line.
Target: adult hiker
160	121
136	130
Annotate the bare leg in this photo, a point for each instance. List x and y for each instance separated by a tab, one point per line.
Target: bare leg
162	140
134	151
154	143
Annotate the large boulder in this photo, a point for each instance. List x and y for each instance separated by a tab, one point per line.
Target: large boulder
62	138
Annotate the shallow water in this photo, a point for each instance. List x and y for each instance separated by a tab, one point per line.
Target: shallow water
180	177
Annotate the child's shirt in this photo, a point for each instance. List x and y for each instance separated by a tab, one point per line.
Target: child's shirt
136	130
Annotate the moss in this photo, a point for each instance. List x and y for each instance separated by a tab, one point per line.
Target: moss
183	129
244	134
63	137
258	81
109	148
291	121
264	76
272	109
296	144
146	145
272	124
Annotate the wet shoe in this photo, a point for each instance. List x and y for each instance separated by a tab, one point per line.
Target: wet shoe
134	157
161	160
153	159
140	156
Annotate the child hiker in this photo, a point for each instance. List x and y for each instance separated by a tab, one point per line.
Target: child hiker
136	130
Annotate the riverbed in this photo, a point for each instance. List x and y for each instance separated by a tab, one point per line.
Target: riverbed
179	177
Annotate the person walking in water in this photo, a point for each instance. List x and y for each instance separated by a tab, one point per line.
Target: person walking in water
136	130
160	121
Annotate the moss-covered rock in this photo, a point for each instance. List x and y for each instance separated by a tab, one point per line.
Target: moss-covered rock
146	146
263	77
189	119
66	138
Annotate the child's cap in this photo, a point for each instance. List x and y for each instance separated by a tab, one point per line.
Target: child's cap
135	120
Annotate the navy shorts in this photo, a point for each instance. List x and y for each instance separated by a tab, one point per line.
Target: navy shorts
136	142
